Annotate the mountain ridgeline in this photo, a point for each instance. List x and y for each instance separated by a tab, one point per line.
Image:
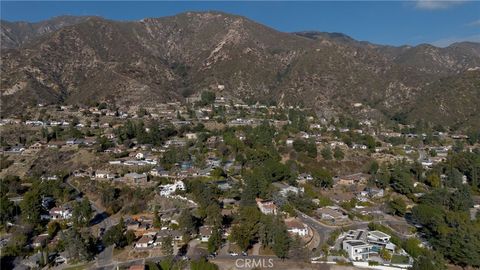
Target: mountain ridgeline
80	60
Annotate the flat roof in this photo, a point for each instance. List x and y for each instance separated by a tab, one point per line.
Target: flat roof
356	243
379	234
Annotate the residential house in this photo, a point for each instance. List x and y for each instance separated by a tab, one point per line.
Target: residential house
36	146
357	250
132	225
176	235
48	202
101	174
267	207
291	189
140	155
375	192
81	173
380	240
359	146
213	141
159	172
145	241
17	149
296	227
352	179
337	144
169	189
286	189
74	142
376	239
304	177
213	162
62	212
49	177
63	257
40	240
223	185
191	136
205	232
55	144
136	178
331	214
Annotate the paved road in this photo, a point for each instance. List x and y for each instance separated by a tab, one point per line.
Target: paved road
322	229
105	257
126	264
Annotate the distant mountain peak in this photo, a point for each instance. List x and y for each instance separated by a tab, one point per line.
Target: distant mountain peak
92	59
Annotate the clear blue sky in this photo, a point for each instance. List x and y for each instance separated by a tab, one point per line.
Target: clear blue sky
386	22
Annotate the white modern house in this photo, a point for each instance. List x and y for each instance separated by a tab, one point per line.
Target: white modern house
100	174
360	243
380	240
169	189
357	250
284	191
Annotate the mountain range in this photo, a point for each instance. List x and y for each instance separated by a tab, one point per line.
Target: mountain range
84	60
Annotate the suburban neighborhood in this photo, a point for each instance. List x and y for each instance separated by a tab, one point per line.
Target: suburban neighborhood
217	179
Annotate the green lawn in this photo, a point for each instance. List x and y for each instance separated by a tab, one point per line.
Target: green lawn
399	259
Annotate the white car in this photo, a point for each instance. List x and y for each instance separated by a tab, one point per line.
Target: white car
233	254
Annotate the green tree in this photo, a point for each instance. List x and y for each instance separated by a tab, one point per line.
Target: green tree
338	153
322	178
7	210
80	247
298	249
412	247
401	181
187	222
103	144
214	215
82	213
53	228
385	254
115	236
245	231
461	199
157	222
281	240
429	261
218	173
433	179
207	98
31	207
167	246
373	169
326	153
397	206
305	146
130	237
215	240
